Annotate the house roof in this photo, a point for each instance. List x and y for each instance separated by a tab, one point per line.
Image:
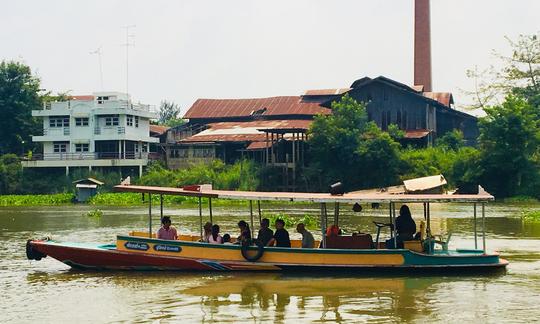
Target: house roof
445	98
89	180
416	133
81	97
273	106
326	92
251	131
158	129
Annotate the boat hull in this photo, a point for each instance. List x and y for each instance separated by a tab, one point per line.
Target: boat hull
132	253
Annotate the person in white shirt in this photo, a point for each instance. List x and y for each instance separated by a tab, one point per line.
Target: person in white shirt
214	237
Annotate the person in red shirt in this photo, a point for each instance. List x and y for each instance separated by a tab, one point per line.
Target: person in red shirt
167	232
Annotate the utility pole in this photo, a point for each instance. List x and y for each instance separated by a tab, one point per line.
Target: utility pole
98	53
127	44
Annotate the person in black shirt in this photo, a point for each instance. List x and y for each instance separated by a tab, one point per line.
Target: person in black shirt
405	228
265	233
281	236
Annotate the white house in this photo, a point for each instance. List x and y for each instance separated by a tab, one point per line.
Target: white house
105	129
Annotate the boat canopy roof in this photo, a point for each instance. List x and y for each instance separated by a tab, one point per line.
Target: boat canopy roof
351	197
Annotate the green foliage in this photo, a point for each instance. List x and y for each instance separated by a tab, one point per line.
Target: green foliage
36	200
509	139
243	175
532	216
291	222
96	213
10	174
346	147
19	95
450	141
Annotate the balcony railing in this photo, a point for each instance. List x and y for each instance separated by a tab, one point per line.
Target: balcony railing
91	156
109	130
65	131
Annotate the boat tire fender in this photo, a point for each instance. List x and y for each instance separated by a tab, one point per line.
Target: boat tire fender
33	254
245	248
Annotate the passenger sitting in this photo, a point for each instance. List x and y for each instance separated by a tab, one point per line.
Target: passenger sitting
207	232
226	239
307	238
167	232
281	236
265	233
405	228
245	233
215	238
333	230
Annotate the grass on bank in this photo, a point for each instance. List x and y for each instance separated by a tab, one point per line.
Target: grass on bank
37	200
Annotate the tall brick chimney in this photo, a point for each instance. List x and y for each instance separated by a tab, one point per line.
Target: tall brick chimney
422	45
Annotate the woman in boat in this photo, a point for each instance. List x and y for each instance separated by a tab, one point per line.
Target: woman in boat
167	232
405	228
215	238
245	233
207	232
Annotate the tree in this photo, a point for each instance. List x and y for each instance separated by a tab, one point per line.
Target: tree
169	114
10	174
450	141
19	95
344	146
519	74
509	139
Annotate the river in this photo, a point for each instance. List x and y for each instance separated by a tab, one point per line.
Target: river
48	291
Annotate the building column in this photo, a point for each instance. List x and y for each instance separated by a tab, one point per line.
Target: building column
90	168
119	149
140	170
67	170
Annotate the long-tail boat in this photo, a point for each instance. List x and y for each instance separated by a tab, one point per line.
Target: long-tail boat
350	253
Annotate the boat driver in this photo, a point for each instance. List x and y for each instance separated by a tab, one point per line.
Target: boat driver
167	232
405	228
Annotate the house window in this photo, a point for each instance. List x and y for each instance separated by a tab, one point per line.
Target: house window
136	121
129	120
82	148
203	153
59	147
101	100
81	121
58	122
112	121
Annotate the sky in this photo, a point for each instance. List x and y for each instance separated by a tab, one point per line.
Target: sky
184	50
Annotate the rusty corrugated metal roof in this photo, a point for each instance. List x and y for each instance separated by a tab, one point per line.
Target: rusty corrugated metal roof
158	129
81	97
251	131
253	146
445	98
275	106
326	92
416	133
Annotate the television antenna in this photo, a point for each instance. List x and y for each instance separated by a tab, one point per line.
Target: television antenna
127	44
98	53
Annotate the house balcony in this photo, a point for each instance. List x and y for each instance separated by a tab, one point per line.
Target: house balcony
88	159
53	134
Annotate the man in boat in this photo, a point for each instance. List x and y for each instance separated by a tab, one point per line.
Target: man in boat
265	233
281	236
307	238
167	232
405	228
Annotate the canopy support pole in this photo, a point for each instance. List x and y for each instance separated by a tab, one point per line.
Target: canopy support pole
259	208
395	229
149	215
160	207
323	225
251	216
484	228
475	229
391	220
200	217
210	209
336	213
428	226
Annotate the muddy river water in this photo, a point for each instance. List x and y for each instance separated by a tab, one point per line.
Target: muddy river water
48	291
